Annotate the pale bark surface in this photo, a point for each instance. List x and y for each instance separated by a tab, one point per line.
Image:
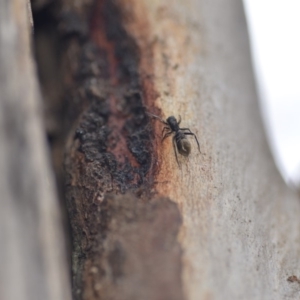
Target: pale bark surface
33	264
240	231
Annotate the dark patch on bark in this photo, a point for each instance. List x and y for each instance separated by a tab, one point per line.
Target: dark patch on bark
137	255
113	129
124	247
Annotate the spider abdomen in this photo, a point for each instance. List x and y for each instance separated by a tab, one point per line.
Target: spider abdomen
183	146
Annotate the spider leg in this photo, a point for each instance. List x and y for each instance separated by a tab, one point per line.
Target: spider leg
189	130
193	134
166	135
179	119
157	117
175	150
165	128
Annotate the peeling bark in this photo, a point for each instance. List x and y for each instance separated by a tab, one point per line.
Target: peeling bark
131	250
124	246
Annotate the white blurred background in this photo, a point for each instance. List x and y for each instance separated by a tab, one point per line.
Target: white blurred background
274	28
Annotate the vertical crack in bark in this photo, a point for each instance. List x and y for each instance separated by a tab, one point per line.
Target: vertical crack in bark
116	123
124	247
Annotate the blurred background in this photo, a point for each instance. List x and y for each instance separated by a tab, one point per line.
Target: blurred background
274	28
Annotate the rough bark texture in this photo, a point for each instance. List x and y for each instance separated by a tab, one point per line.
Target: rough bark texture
224	225
32	260
124	246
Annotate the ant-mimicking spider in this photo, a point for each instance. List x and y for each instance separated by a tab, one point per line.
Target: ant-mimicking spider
180	142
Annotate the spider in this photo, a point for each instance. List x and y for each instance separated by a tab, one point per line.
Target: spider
180	142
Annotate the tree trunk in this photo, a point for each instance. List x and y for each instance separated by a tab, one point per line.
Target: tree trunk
33	265
223	225
220	224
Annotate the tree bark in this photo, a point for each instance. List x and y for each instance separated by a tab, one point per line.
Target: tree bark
221	226
33	264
